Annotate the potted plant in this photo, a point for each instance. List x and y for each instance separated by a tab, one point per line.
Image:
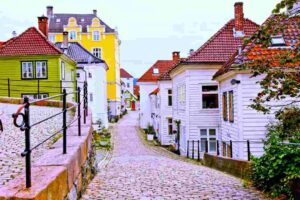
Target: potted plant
150	133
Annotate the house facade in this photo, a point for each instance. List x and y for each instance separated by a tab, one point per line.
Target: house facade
99	39
238	88
92	70
129	98
195	94
32	66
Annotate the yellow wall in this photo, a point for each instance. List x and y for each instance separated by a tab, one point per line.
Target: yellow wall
109	44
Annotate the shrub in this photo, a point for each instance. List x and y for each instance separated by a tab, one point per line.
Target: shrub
279	168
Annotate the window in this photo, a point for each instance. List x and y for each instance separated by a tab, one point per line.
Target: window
224	105
72	35
128	85
90	75
181	93
96	35
226	149
78	75
231	106
62	69
97	52
58	20
278	40
36	96
155	70
27	70
91	97
210	97
170	126
169	97
41	69
209	135
52	38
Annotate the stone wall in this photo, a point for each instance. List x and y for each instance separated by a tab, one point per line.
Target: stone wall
239	168
56	175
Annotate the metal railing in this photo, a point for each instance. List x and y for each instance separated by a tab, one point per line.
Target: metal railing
25	124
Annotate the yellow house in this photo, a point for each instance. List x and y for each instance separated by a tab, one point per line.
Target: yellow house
98	38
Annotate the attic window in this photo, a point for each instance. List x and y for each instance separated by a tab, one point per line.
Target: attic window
155	70
278	40
58	20
82	19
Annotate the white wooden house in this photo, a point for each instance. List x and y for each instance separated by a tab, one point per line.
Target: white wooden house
195	94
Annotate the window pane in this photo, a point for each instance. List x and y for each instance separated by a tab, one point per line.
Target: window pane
203	144
209	88
212	144
212	132
210	100
203	132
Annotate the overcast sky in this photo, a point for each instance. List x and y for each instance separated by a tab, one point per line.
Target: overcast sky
149	29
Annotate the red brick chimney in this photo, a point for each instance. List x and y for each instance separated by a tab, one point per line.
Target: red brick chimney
43	25
176	55
239	16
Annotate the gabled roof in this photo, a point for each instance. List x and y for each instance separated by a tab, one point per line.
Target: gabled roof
155	92
125	74
254	50
136	90
78	53
30	42
166	76
222	44
82	19
162	65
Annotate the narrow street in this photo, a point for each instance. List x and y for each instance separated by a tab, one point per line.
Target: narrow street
138	172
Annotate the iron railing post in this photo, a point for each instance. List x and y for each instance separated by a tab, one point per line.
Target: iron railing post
218	148
188	146
8	87
206	146
79	111
27	142
248	150
86	97
230	144
84	102
61	89
38	88
64	121
198	150
193	149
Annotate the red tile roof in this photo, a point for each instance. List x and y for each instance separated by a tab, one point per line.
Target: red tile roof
125	74
166	76
162	65
1	43
136	90
155	92
30	42
222	44
254	50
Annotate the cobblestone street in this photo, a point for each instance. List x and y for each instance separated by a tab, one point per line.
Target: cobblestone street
137	171
12	140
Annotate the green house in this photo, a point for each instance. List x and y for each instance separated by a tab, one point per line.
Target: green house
32	66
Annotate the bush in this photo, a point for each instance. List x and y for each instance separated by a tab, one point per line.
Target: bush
279	168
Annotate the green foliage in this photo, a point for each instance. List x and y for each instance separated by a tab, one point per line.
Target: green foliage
279	167
150	130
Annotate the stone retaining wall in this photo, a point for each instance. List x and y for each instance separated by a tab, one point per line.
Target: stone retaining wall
56	175
239	168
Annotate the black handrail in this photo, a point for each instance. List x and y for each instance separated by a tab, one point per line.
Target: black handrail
26	126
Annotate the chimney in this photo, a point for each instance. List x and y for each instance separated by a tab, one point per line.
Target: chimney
49	11
65	42
14	34
95	12
43	25
238	16
176	55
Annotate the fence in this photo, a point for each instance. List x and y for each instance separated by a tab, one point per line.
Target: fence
36	88
195	147
25	125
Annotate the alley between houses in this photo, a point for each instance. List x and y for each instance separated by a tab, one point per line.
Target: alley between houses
137	171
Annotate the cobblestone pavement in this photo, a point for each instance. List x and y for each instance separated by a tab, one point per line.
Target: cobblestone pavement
12	140
139	172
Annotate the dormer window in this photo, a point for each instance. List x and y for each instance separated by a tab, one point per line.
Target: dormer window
82	20
58	20
72	35
277	40
155	70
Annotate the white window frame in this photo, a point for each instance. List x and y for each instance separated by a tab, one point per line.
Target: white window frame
213	92
36	96
63	70
71	34
39	64
96	37
25	70
208	137
99	52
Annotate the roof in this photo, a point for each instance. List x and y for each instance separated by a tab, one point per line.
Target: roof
162	65
30	42
83	20
222	44
125	74
136	90
155	92
166	76
78	53
255	50
1	43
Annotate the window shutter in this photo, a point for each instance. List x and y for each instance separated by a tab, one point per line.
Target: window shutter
224	105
